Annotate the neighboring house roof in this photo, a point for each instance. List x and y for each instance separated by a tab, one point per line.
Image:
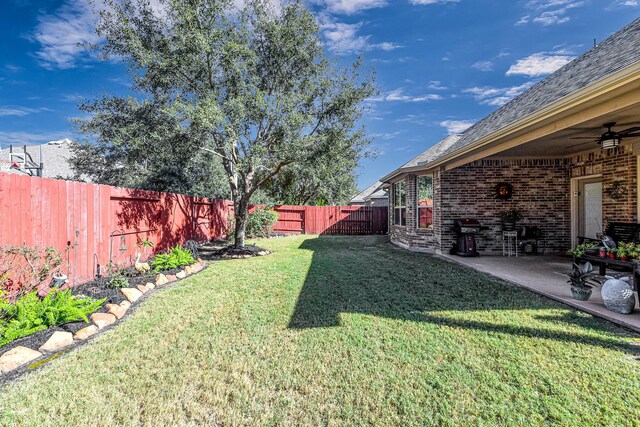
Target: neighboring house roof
55	158
617	52
381	193
367	193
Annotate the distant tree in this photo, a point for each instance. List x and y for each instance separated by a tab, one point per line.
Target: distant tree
328	179
254	87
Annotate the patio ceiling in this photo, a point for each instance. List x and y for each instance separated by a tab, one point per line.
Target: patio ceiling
560	144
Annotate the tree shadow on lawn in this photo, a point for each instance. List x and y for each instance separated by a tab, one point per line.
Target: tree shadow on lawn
366	275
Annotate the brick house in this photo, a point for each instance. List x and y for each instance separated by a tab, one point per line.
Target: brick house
549	145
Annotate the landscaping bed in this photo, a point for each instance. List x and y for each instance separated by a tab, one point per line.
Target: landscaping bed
43	321
225	251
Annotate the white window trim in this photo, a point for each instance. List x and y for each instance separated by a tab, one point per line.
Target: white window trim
418	207
399	224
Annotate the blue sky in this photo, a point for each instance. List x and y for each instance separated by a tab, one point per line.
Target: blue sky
440	64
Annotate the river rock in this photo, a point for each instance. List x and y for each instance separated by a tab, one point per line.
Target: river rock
131	294
102	320
17	357
58	340
85	333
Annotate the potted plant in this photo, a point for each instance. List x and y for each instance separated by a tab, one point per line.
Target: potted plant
621	252
627	251
582	281
584	248
509	219
612	253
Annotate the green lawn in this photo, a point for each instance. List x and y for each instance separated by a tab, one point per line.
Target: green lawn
340	331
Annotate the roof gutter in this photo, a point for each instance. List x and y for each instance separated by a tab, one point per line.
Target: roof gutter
596	89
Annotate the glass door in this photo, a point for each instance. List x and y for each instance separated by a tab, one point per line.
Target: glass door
590	207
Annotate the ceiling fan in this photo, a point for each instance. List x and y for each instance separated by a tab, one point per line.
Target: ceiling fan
609	139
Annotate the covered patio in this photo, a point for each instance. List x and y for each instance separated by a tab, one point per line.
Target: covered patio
546	275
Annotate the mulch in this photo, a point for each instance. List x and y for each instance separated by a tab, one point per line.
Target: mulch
213	252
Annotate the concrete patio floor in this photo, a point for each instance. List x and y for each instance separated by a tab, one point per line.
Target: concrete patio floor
546	275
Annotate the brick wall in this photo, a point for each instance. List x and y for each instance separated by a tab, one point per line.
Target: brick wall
541	192
420	240
618	168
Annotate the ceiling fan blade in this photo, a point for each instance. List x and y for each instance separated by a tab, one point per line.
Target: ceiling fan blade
582	143
628	131
630	135
585	137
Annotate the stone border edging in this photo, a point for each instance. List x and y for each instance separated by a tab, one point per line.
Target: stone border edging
60	341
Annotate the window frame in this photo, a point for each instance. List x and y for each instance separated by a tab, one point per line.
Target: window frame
418	207
399	219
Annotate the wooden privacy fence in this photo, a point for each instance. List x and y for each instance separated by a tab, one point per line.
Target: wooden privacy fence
331	220
95	224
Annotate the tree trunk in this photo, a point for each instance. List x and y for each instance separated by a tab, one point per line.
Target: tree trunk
241	211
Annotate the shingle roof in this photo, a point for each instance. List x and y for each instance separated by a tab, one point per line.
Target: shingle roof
360	198
432	153
615	53
55	158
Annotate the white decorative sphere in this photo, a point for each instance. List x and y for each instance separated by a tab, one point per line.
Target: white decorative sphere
618	296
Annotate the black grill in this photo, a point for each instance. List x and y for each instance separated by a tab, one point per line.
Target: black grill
466	242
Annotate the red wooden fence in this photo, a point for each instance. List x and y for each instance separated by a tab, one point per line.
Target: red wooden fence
93	224
97	224
332	220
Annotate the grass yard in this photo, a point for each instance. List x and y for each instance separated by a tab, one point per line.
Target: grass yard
340	331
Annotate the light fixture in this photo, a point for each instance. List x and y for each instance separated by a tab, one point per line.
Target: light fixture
609	139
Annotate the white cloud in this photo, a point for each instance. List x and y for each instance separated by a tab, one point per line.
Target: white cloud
28	138
495	96
483	66
343	39
539	64
61	33
427	2
413	119
456	126
549	12
398	95
351	6
16	111
436	85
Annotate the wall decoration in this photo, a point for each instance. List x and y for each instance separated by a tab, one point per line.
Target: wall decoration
504	191
617	191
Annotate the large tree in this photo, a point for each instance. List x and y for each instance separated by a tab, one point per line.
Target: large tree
253	86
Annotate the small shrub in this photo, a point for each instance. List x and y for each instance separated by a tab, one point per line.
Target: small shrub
260	222
118	281
23	268
30	314
176	258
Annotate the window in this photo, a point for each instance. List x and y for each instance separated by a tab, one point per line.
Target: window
424	197
399	204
